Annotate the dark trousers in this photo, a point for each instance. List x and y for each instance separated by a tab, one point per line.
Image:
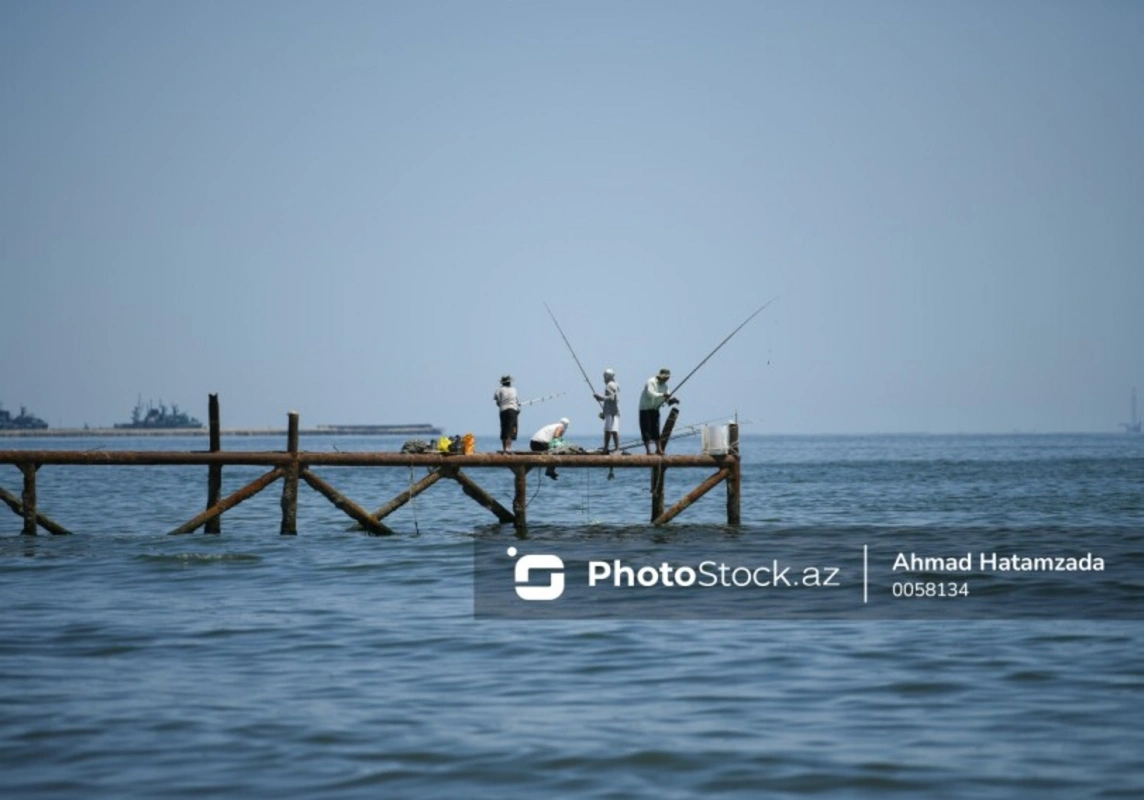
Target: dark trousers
649	425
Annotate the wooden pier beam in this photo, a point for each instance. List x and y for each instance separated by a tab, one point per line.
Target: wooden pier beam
520	498
290	463
231	501
214	471
691	497
735	478
480	495
278	458
45	522
290	482
344	504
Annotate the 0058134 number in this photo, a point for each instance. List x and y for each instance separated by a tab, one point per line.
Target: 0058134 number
929	589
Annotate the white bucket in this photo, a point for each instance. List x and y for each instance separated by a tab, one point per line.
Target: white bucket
715	438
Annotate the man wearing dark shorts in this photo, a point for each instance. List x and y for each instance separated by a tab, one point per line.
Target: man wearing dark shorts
509	405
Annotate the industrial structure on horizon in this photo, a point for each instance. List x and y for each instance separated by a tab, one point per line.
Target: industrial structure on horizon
1133	423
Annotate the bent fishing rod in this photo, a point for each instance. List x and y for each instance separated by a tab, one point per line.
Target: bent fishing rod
573	352
756	312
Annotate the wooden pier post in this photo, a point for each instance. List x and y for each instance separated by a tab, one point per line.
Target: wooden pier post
520	498
214	471
290	480
29	499
45	522
735	477
657	476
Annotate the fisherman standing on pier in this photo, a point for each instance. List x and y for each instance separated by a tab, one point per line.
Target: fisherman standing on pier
548	437
610	409
509	405
654	395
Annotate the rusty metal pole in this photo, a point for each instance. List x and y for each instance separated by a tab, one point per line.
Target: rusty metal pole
520	498
290	482
214	471
29	499
735	478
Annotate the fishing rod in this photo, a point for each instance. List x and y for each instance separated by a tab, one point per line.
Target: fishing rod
716	350
541	399
573	352
693	429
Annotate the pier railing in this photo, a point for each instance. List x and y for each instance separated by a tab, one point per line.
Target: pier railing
293	466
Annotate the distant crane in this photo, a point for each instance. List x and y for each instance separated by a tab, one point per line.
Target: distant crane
1133	424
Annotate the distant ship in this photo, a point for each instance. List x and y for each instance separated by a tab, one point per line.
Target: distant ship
150	418
22	422
1133	424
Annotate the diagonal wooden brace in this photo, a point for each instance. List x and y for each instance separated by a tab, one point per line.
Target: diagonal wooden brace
480	495
691	497
245	493
407	495
344	504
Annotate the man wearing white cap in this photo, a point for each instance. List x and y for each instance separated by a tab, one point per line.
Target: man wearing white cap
546	437
610	408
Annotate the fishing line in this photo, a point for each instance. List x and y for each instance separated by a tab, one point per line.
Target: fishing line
587	503
757	311
534	494
541	399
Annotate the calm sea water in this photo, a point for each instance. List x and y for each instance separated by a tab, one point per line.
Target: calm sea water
333	664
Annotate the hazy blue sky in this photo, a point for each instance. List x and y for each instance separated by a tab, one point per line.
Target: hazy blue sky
358	209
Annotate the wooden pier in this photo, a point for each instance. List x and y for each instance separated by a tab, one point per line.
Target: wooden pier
293	467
